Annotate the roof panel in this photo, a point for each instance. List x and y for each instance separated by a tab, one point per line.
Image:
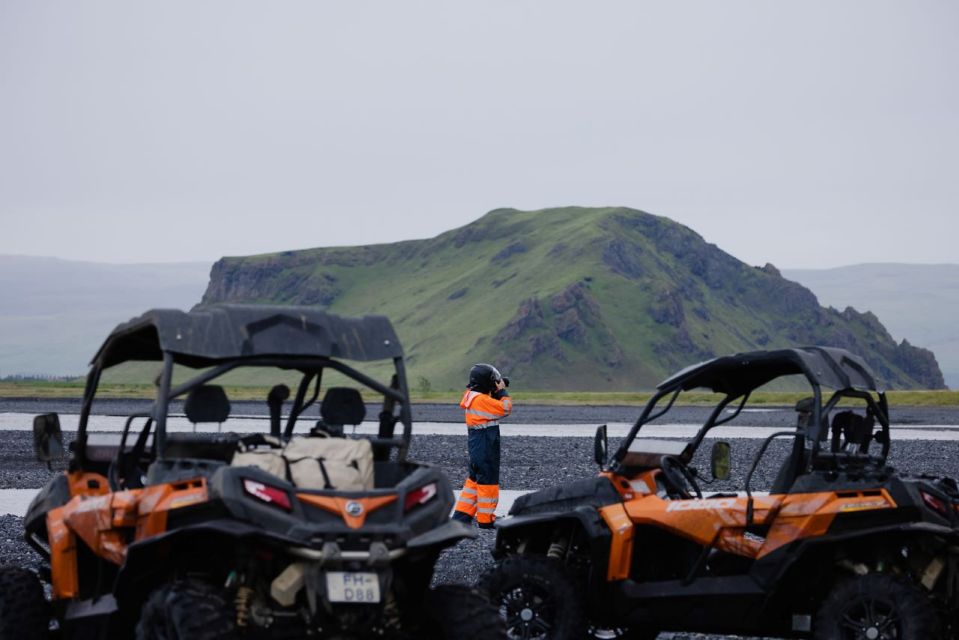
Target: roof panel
743	372
213	333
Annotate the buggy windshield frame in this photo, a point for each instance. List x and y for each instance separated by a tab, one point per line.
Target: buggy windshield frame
737	376
223	337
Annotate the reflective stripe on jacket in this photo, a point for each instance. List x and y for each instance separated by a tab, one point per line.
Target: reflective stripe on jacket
483	410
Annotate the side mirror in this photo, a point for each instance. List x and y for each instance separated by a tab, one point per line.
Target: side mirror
47	437
720	461
600	446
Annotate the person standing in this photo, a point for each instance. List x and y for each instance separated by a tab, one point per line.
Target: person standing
484	402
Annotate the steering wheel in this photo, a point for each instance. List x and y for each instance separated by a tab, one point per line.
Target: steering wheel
679	478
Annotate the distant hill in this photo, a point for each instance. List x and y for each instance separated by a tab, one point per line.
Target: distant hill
570	298
55	313
920	302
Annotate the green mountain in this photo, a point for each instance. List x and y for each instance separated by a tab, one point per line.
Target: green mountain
567	299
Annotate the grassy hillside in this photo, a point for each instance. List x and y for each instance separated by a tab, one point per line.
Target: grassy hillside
566	299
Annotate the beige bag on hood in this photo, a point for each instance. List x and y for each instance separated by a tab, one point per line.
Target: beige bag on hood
343	464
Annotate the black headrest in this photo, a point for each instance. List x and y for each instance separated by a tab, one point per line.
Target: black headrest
342	405
855	428
207	403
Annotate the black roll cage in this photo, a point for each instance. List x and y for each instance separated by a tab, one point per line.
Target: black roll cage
397	393
880	409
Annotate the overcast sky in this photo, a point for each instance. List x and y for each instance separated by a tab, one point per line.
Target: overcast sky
807	134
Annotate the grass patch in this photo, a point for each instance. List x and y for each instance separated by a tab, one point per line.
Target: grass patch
42	388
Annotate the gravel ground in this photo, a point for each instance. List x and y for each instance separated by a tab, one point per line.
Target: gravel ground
533	413
528	463
535	462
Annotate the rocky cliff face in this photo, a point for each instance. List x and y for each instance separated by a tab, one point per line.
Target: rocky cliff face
274	280
569	299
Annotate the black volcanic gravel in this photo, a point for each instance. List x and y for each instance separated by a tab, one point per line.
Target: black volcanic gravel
527	462
523	413
536	462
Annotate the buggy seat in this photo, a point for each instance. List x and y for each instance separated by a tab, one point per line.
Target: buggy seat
192	454
206	403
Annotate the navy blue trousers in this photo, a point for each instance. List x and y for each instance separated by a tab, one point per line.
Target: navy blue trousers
484	455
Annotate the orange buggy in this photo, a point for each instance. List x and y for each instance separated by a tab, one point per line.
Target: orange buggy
842	547
286	528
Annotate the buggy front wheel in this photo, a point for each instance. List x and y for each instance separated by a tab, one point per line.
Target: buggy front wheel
186	610
594	632
876	607
458	612
24	614
537	599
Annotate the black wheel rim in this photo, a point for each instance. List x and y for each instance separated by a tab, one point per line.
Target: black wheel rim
870	619
604	633
529	611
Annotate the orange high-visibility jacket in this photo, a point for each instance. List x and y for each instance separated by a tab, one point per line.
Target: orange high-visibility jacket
483	410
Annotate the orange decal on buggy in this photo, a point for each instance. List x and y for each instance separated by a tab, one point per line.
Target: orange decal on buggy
352	510
621	544
720	522
63	556
806	515
157	502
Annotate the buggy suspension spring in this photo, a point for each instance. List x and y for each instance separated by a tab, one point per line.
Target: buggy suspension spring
242	602
557	549
391	613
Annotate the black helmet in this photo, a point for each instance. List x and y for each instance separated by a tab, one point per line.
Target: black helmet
483	378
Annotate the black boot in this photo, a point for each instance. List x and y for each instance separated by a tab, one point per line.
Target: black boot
459	516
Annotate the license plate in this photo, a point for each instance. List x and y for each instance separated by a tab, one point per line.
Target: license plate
352	586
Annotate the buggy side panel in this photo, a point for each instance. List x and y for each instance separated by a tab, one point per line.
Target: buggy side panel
106	523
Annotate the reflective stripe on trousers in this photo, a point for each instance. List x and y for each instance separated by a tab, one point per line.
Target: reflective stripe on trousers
467	500
487	499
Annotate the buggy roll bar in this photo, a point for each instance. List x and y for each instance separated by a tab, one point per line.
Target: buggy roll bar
879	409
712	421
752	469
397	392
644	417
162	404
